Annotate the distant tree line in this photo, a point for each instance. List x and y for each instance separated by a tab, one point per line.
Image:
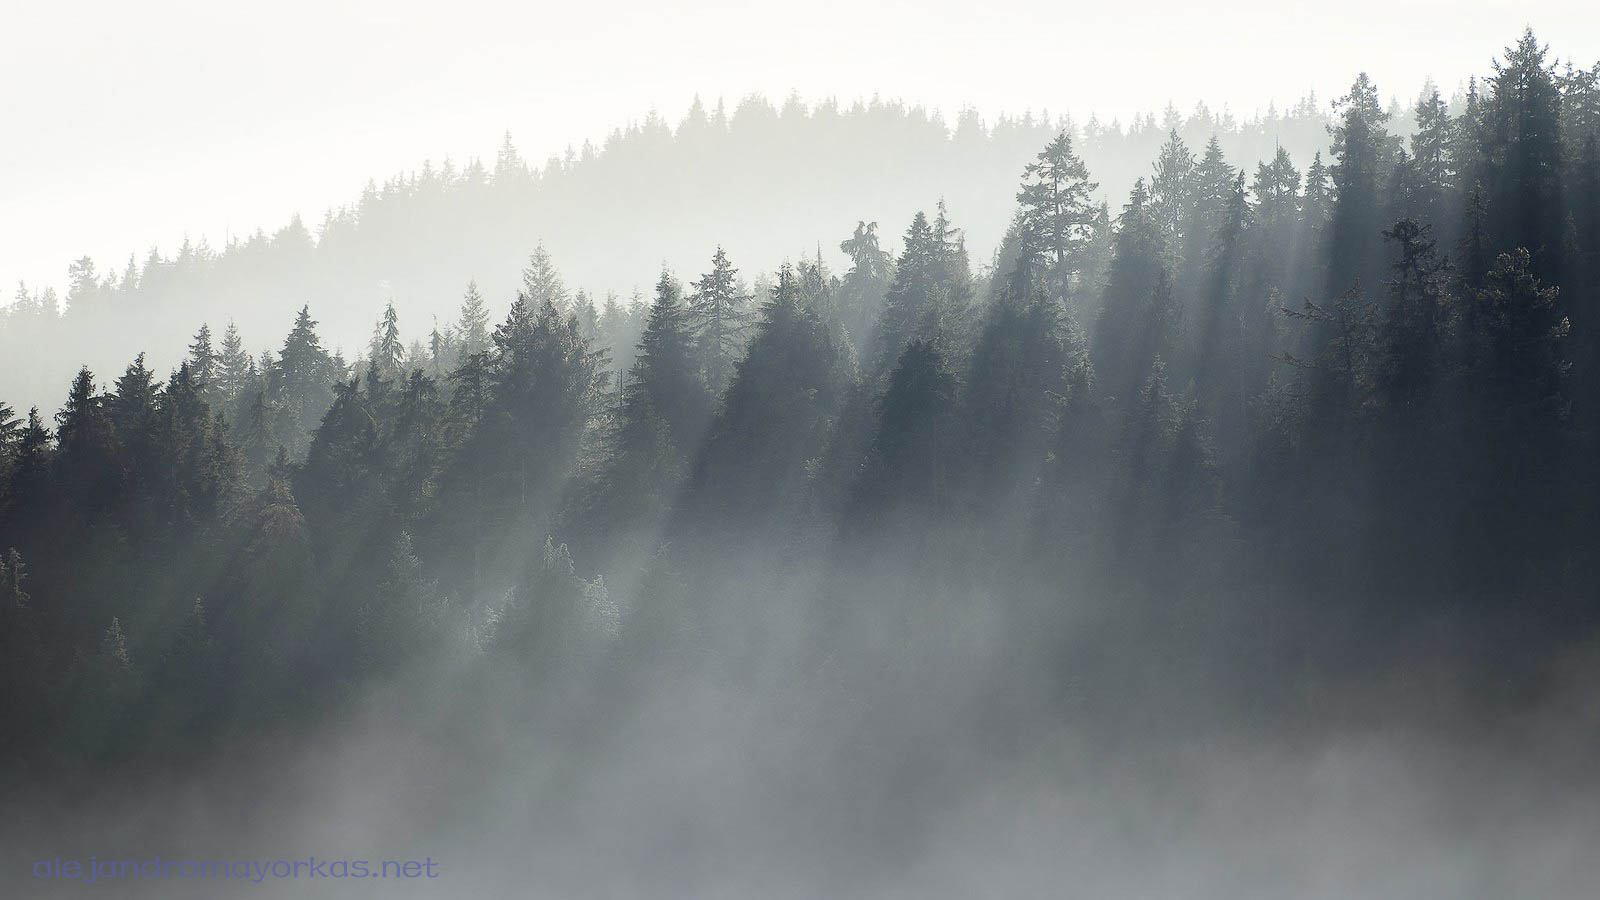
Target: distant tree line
612	213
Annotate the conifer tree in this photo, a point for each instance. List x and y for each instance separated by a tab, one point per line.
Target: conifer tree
913	454
1056	214
720	317
10	427
203	359
234	370
588	316
1364	154
86	453
385	354
864	284
1138	317
928	297
1523	157
773	418
300	381
666	368
472	326
131	406
1430	155
29	474
1414	320
542	283
1172	196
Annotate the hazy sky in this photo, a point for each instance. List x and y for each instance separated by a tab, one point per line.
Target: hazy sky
131	124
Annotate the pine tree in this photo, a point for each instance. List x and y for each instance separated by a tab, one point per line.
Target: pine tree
1172	196
542	283
233	371
203	359
1317	206
1466	141
1056	214
1412	333
197	469
473	324
1138	317
1026	357
588	316
1430	154
666	367
300	382
10	429
405	617
385	354
1523	158
664	411
1277	191
1223	377
719	315
545	384
929	296
864	284
774	417
131	406
442	352
913	454
28	476
86	460
1364	154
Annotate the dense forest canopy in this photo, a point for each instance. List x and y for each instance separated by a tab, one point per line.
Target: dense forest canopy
1251	452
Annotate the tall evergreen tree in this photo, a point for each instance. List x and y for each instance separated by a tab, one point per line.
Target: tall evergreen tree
1523	159
1364	154
542	283
864	284
1056	214
203	359
472	325
1430	156
720	317
300	382
233	371
385	353
1138	317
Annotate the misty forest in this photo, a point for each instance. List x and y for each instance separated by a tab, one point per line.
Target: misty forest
1127	521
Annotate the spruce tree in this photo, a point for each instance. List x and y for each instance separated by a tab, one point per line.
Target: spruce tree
1056	214
720	317
1138	317
203	359
1430	155
300	381
1523	157
233	371
864	284
1172	195
542	283
385	353
774	417
666	367
472	325
1364	154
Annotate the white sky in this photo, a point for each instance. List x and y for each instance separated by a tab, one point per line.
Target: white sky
127	125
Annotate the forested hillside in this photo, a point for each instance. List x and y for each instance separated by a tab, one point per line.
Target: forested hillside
1266	449
769	184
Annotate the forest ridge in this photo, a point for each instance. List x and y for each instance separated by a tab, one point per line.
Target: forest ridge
767	183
